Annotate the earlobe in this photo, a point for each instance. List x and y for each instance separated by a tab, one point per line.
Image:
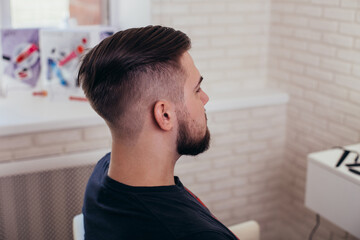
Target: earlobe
163	116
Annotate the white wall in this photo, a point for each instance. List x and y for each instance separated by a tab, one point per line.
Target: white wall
314	55
229	39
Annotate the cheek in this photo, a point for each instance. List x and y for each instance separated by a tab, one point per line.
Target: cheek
196	112
201	119
199	114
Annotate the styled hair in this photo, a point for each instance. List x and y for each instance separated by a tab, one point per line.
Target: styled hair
125	74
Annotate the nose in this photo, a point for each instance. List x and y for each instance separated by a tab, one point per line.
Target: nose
204	98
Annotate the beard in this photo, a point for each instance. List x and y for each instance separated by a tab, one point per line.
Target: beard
187	144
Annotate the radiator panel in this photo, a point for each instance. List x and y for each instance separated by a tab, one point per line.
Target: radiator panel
41	205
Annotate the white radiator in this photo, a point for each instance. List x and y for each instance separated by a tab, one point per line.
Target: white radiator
39	197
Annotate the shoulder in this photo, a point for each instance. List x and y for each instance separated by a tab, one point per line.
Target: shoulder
101	167
207	235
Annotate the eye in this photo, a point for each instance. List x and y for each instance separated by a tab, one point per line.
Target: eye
199	89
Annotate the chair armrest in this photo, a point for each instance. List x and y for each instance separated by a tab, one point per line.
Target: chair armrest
78	227
249	230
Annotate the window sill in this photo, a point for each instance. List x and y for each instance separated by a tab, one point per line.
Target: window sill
22	113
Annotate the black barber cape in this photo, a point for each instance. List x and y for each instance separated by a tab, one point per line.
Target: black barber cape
113	210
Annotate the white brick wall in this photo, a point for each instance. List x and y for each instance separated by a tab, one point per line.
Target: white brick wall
310	48
53	143
322	76
229	39
58	137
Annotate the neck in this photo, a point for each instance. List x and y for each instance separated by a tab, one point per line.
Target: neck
142	164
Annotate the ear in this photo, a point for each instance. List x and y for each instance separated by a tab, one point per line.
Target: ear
164	115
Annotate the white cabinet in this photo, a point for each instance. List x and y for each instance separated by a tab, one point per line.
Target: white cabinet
334	192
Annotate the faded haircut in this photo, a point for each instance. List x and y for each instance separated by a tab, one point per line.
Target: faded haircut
125	74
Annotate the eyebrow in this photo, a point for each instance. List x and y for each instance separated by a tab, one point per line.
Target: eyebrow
200	80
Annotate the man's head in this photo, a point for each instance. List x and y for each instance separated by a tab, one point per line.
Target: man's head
126	75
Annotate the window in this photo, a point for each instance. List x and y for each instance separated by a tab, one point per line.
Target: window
59	13
39	13
46	13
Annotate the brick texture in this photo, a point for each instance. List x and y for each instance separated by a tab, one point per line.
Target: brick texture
229	39
324	107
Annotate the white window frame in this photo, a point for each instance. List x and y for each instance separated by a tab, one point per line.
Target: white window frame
5	14
129	13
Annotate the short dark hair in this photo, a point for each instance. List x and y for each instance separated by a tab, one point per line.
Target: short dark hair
127	73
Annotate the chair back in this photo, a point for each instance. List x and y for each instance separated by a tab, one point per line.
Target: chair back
249	230
78	227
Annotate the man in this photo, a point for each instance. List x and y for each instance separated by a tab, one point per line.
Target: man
144	83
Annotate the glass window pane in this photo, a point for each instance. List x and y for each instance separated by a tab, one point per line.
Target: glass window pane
39	13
